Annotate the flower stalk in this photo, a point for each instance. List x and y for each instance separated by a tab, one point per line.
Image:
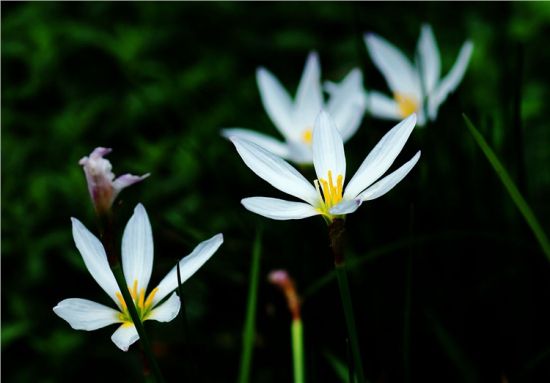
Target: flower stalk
121	281
282	280
336	231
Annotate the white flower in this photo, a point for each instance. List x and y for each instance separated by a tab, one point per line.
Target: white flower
294	120
414	86
102	185
137	264
327	197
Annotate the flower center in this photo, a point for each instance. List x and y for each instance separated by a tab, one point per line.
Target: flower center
307	136
329	192
143	306
407	104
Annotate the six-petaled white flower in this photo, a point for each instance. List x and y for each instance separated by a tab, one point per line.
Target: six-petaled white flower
137	264
294	120
327	197
102	185
416	87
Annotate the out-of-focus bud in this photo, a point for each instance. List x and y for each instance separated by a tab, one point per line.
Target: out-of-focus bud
102	185
281	279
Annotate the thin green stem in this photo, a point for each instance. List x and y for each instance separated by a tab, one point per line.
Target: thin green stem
297	333
342	277
510	186
250	321
119	276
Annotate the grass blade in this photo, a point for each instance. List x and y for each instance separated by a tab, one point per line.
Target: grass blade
250	321
510	186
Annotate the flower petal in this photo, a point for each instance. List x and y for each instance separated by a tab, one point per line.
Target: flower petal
346	207
95	259
188	266
83	314
125	336
387	183
277	102
167	310
381	157
267	142
449	83
126	180
382	106
275	170
279	209
400	75
137	249
328	149
429	64
347	103
309	97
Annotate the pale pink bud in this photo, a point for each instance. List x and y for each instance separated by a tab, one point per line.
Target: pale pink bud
282	280
102	185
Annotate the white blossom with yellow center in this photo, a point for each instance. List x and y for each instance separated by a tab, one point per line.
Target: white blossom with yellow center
327	196
414	86
294	119
137	264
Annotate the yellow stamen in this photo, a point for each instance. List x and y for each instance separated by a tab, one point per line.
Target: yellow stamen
133	291
149	300
141	298
330	193
407	104
121	300
307	136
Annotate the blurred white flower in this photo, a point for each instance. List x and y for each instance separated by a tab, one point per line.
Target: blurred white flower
328	197
102	185
137	264
294	120
417	87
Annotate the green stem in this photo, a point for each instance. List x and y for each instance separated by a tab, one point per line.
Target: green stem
250	321
343	283
119	276
298	350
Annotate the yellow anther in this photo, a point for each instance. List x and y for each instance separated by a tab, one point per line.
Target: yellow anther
329	192
149	300
307	136
340	186
121	300
406	104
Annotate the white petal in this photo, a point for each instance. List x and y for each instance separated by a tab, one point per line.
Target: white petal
95	259
387	183
346	207
275	170
83	314
382	106
309	97
125	336
188	266
381	157
267	142
277	102
400	75
167	310
429	64
328	149
279	209
449	83
137	249
347	103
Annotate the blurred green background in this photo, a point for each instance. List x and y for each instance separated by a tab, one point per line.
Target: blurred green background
448	282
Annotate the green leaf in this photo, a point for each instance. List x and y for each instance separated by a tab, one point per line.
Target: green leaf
510	186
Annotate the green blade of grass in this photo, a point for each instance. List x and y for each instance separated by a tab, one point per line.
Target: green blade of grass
250	321
297	335
340	368
510	186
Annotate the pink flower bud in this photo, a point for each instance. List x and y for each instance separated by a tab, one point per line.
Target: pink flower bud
102	185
